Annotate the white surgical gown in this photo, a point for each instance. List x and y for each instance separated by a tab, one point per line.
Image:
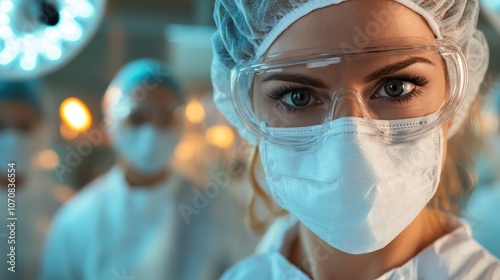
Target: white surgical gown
454	256
113	231
35	203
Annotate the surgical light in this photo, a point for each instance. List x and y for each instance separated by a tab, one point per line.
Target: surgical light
39	36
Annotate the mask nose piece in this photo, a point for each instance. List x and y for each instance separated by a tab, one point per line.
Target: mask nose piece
347	104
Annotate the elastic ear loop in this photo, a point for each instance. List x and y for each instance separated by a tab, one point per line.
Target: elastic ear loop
252	221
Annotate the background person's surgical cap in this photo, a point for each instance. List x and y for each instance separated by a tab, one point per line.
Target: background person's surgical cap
246	29
27	92
136	79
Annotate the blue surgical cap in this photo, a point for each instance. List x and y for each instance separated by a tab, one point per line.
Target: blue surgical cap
27	92
137	77
147	73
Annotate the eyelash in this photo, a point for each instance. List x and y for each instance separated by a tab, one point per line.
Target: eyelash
279	92
418	81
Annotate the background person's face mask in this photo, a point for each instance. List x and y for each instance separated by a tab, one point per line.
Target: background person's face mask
351	189
16	147
147	148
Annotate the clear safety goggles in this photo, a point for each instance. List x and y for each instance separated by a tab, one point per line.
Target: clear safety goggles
384	82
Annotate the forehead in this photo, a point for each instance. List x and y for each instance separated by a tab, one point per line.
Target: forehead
156	97
357	23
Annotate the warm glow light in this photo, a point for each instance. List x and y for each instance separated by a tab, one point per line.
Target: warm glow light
48	159
220	136
195	112
184	151
75	114
68	133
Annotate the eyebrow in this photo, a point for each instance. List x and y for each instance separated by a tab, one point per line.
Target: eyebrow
390	69
309	81
296	78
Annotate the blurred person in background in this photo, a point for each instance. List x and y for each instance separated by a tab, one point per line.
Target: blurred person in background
129	222
24	132
483	206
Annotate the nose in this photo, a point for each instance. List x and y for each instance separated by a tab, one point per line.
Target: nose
347	105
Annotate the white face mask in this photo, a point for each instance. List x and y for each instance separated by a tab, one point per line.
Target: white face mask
16	147
352	190
146	148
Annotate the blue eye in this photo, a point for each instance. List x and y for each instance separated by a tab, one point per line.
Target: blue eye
297	98
396	88
294	99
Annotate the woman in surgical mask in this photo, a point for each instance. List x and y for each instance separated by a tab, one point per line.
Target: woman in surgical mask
362	117
27	197
126	223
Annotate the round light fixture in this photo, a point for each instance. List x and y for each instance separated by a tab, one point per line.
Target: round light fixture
40	36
